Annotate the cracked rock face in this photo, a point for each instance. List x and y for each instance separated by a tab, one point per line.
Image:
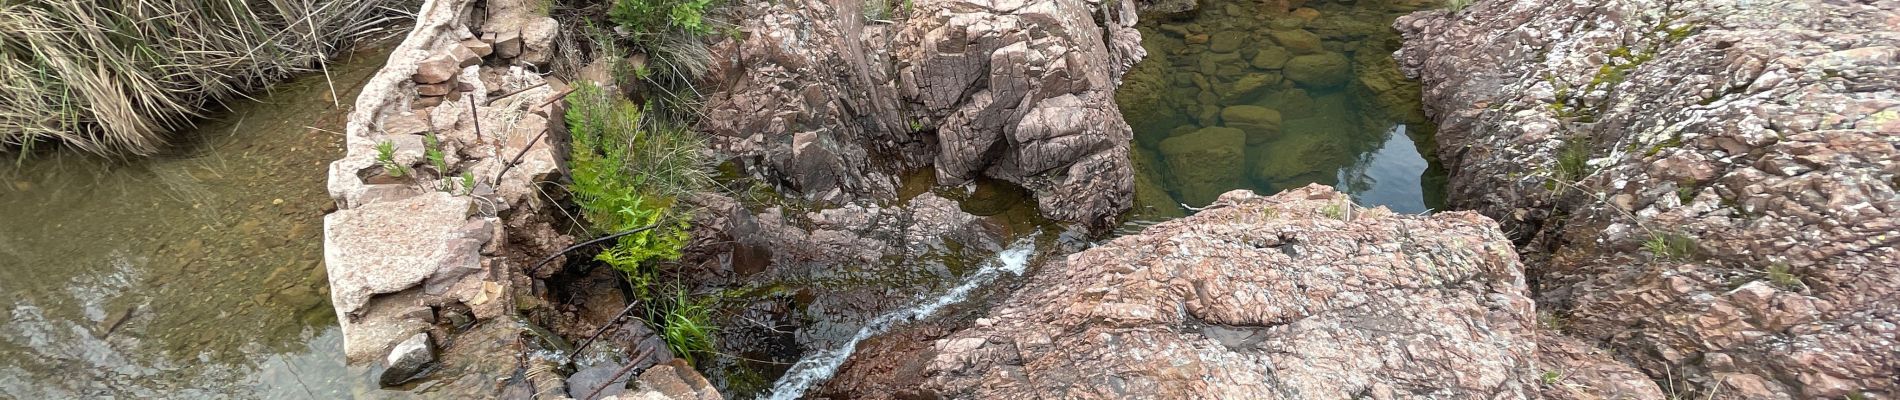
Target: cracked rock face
835	106
1298	295
1733	229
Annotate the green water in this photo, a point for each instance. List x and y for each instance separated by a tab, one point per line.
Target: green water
1246	95
194	274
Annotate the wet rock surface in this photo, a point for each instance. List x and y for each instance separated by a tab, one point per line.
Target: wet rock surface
1298	295
1706	188
836	107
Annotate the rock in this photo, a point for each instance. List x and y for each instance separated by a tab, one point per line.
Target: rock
464	57
1787	290
1225	42
1248	88
1298	41
437	69
1021	94
425	102
408	360
1319	70
1299	295
674	380
508	44
1204	164
1273	57
1165	9
480	48
537	40
391	246
436	89
1260	123
1197	38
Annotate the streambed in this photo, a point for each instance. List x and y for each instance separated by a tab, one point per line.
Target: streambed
193	274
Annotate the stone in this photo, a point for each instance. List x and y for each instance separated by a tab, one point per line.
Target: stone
1298	41
436	89
425	102
437	69
480	48
1322	70
464	57
1273	57
1248	87
1260	123
407	361
1790	292
537	40
1225	42
408	241
1204	164
1293	296
1197	38
508	44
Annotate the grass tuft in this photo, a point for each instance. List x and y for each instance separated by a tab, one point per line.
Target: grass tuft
1671	246
687	327
111	77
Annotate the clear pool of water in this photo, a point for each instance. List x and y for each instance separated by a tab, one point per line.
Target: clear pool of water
1271	96
194	274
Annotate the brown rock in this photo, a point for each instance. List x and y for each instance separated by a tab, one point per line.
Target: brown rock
437	69
508	44
1299	295
436	89
481	48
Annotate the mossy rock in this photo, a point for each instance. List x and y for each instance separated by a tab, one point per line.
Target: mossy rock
1298	41
1322	70
1260	123
1248	88
1206	163
1152	201
1271	58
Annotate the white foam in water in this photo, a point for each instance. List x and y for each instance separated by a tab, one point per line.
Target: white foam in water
819	366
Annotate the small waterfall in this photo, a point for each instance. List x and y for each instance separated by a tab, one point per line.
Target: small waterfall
819	366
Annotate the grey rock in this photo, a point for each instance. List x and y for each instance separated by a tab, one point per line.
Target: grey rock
1322	70
408	360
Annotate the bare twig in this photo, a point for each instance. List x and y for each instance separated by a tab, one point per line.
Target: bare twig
524	152
603	329
550	257
491	100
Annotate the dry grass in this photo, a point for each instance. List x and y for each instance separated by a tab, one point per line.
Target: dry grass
113	76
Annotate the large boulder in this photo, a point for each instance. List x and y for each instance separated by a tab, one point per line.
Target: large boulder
1021	92
1205	163
1299	295
1321	70
1260	123
1709	192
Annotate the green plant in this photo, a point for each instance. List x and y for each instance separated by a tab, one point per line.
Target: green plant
112	76
687	328
1334	211
386	157
626	177
1670	246
1457	5
468	183
1685	191
646	19
432	149
1550	378
1782	275
1573	160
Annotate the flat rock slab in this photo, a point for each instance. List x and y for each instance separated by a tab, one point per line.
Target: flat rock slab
390	246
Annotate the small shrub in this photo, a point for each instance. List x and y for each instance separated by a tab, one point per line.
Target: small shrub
1782	275
432	149
1670	246
1550	378
1573	160
1334	211
650	19
1457	5
626	177
687	327
386	156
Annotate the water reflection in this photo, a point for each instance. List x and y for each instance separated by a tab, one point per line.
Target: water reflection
194	274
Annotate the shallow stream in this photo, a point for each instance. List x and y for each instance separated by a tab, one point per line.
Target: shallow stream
193	274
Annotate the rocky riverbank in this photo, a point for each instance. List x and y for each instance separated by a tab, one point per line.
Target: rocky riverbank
1705	187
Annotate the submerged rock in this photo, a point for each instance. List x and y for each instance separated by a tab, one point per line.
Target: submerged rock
1708	192
1260	123
1205	163
407	360
1321	70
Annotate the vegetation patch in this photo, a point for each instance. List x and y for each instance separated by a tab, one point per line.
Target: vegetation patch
112	77
1671	246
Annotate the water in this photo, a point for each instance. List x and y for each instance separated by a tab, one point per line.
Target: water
1246	96
818	366
193	274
